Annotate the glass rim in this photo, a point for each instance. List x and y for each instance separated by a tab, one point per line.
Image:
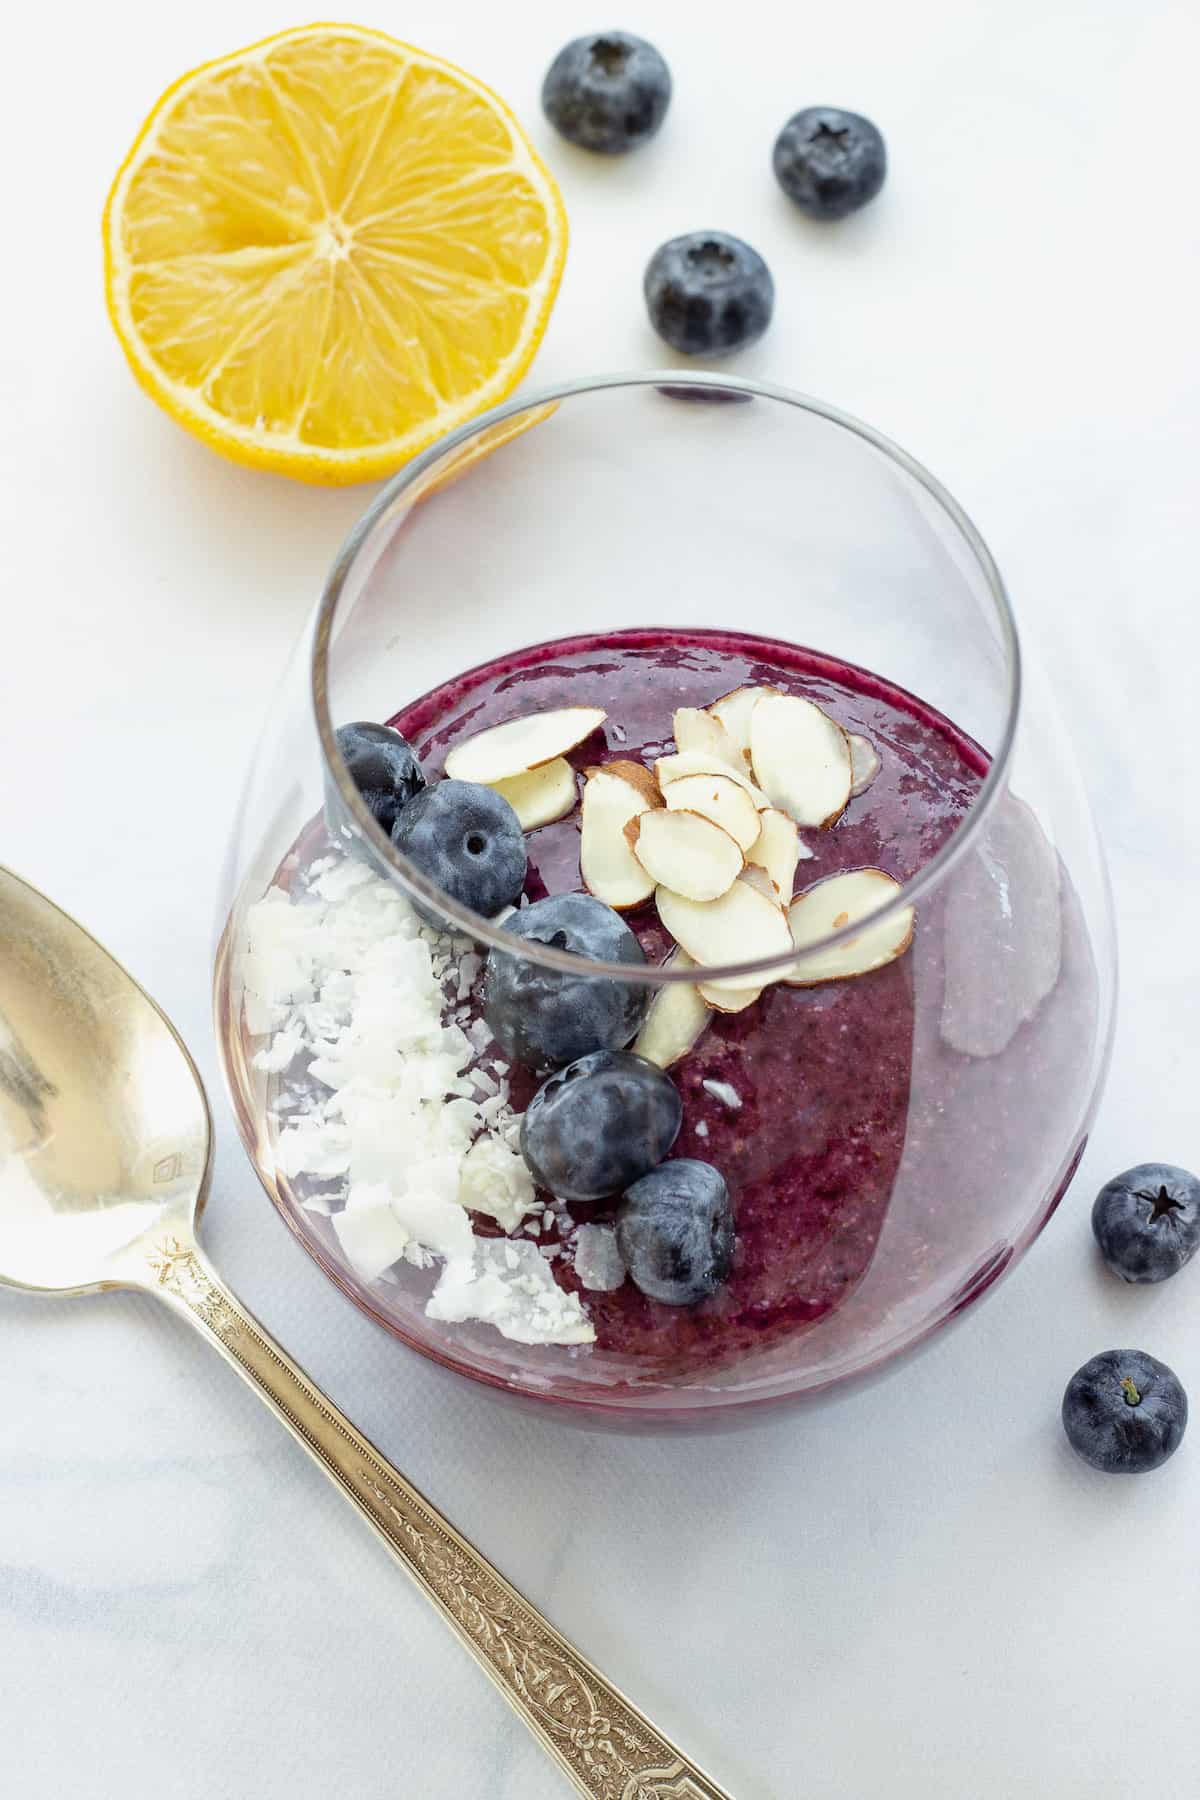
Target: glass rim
493	934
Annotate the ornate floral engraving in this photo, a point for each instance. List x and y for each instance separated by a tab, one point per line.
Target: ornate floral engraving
609	1749
178	1268
666	1784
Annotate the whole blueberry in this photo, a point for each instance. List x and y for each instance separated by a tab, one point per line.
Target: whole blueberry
708	293
383	767
468	840
607	92
599	1124
545	1017
1124	1412
675	1232
1147	1221
830	162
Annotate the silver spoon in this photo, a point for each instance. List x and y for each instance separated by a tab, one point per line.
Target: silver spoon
105	1158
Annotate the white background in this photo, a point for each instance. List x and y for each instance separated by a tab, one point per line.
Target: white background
915	1592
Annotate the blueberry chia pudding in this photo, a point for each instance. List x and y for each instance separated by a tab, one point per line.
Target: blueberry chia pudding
668	1178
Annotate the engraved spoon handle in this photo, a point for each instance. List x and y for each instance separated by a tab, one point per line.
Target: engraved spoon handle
606	1746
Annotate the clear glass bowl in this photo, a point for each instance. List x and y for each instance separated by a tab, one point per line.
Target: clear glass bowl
700	509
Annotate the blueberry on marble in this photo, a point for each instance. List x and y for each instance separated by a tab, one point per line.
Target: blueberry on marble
383	767
830	162
675	1232
607	92
1124	1412
599	1124
1147	1221
708	293
468	840
546	1017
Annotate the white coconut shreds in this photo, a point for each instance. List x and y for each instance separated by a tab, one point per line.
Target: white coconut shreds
598	1262
343	974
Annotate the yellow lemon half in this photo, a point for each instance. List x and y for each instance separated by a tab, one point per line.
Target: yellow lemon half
328	249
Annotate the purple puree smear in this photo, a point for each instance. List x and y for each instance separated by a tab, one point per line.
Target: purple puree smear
823	1074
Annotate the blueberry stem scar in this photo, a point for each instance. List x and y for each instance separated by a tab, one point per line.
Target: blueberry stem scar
1161	1204
1132	1397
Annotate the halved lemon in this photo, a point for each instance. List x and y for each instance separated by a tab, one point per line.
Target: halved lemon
324	251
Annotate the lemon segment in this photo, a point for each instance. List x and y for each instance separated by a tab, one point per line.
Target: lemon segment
328	249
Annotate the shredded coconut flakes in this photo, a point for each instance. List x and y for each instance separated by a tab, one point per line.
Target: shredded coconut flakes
345	974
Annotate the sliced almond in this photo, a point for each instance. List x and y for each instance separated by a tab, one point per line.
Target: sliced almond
761	882
839	901
696	730
540	795
864	763
742	925
727	1000
687	852
699	762
801	759
733	711
612	796
676	1020
720	798
505	750
636	774
736	1000
775	852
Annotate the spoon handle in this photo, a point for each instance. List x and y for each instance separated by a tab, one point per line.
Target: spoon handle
606	1746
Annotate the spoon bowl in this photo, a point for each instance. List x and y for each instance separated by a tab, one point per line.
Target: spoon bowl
105	1152
105	1133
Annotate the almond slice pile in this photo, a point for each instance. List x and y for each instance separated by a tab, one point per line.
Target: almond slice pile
721	799
742	923
733	711
704	732
696	857
712	833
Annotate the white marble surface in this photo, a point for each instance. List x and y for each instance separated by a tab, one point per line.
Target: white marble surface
915	1592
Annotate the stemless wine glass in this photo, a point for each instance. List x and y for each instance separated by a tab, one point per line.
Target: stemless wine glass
707	509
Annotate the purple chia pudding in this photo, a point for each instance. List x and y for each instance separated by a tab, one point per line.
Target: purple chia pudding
806	1102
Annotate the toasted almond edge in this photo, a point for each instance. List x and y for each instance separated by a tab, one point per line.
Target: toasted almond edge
633	774
731	1000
